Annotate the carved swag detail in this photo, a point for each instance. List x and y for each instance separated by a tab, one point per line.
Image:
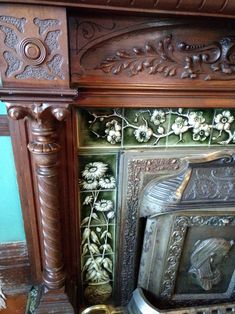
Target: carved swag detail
215	61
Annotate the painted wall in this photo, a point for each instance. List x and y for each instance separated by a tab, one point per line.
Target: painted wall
11	221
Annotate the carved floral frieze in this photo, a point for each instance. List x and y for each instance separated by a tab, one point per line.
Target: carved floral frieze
168	58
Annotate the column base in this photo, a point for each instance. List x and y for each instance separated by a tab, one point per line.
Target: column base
44	301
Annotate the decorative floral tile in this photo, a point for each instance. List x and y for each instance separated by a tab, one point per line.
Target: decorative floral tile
97	207
99	128
98	210
190	127
223	127
97	172
152	127
145	127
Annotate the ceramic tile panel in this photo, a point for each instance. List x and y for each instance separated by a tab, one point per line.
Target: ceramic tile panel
97	198
223	127
155	127
100	128
101	135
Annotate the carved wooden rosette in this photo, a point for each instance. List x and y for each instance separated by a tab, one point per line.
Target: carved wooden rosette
44	150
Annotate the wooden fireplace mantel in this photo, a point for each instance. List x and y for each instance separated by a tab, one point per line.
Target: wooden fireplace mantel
62	55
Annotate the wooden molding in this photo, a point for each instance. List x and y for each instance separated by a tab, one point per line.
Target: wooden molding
219	8
15	267
4	126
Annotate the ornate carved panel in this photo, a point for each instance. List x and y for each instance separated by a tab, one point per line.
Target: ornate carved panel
33	50
152	52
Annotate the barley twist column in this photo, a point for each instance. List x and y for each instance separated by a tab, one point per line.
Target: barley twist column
45	152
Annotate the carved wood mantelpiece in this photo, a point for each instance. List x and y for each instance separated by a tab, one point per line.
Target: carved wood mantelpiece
50	67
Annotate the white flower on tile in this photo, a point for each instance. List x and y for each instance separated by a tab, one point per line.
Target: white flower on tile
113	132
196	119
223	120
180	126
111	215
104	205
94	170
88	200
107	182
114	137
113	125
143	133
90	184
158	117
201	133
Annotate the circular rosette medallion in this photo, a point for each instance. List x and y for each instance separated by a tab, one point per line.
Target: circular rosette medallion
33	51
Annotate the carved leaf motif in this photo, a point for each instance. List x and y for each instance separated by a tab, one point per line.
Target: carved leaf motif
13	63
19	23
51	40
43	25
213	61
11	39
152	59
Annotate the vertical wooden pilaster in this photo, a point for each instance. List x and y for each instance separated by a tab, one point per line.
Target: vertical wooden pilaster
45	150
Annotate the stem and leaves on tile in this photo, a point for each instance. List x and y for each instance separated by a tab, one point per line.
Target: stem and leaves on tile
97	238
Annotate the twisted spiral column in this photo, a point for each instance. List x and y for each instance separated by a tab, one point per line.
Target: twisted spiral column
45	151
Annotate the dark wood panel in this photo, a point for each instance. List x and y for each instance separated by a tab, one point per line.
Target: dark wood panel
131	52
15	267
33	49
4	126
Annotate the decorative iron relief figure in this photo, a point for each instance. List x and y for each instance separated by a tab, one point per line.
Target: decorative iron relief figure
206	259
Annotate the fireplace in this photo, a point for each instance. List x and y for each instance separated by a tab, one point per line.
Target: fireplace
141	100
188	248
165	201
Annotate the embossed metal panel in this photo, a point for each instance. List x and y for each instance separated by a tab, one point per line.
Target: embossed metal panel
188	250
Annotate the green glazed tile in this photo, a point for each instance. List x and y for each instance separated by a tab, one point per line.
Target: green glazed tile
190	127
97	208
97	172
145	127
223	127
99	128
106	263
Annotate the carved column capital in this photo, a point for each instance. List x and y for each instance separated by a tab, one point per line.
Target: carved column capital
39	112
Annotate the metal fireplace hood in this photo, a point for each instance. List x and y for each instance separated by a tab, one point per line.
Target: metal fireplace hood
188	252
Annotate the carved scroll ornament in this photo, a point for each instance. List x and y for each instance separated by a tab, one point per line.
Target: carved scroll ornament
44	150
171	58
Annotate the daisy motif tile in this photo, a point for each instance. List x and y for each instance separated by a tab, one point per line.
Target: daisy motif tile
97	198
